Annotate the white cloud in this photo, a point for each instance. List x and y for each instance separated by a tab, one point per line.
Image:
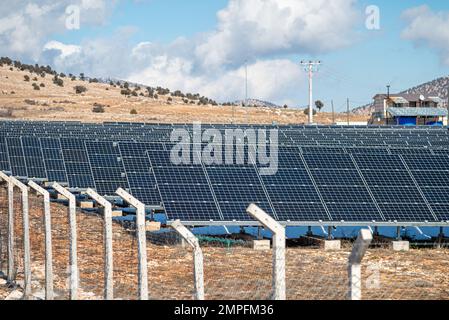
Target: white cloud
263	32
259	28
427	28
25	26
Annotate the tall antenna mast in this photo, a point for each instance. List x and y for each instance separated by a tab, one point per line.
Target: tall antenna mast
311	67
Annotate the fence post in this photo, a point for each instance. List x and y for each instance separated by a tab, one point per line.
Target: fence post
108	261
141	241
26	236
10	272
354	264
73	240
278	249
49	293
197	258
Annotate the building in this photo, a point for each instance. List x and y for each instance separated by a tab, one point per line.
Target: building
408	109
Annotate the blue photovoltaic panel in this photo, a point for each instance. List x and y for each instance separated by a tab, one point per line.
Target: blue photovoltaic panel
107	167
53	160
79	172
16	157
186	198
4	159
141	181
34	158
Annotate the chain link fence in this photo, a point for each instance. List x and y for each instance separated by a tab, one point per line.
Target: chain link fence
233	269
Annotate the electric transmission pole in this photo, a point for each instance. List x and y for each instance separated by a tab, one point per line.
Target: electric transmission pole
310	67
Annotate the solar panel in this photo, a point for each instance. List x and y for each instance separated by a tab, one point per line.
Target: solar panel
16	157
33	158
107	167
79	172
53	160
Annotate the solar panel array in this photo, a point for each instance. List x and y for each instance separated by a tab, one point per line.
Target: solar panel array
325	173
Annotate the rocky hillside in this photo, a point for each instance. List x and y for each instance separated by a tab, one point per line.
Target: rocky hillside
436	88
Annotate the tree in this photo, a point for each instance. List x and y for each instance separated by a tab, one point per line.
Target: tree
80	89
319	105
285	106
26	78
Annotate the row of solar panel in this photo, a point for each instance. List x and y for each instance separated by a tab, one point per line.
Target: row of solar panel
330	186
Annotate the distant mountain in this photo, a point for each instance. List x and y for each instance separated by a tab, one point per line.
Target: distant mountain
434	88
257	103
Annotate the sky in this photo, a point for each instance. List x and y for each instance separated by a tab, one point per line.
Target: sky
203	45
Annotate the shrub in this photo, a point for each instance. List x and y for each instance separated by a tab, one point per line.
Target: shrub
34	79
306	111
26	78
36	87
42	85
80	89
98	109
57	81
125	92
170	99
134	111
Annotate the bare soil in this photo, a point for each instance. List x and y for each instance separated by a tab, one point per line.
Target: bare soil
62	103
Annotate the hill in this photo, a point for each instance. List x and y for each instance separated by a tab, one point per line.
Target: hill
40	93
435	88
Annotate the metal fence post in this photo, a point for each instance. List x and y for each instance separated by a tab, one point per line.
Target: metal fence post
49	293
11	276
197	257
74	280
354	264
141	241
26	236
108	253
278	249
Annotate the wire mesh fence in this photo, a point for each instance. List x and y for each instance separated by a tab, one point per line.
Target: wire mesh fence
233	268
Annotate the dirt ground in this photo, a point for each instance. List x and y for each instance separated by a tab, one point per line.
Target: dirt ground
236	272
61	103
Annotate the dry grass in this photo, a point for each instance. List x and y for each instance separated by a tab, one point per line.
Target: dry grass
230	273
57	103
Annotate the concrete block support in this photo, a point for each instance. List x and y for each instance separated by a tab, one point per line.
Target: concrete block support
401	246
332	245
261	245
278	249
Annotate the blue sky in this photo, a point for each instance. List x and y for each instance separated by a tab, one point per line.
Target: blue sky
186	45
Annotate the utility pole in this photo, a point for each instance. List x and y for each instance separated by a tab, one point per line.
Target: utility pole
348	110
311	67
333	112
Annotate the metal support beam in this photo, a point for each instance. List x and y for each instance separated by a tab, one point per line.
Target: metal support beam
329	233
278	249
49	292
74	279
354	264
11	274
108	249
398	234
197	258
141	241
26	236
